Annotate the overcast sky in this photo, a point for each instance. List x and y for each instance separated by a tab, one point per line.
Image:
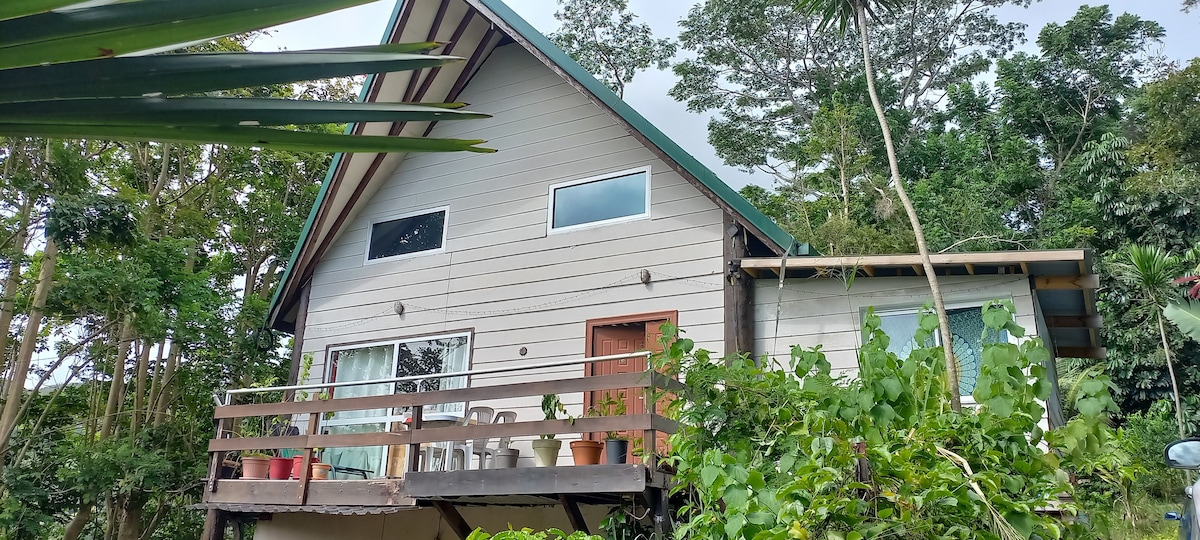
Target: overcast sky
364	25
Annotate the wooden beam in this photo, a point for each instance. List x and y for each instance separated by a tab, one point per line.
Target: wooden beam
1024	268
453	519
374	492
868	270
738	291
298	341
994	258
598	424
1090	281
1075	321
573	513
918	268
480	393
1098	353
970	268
579	480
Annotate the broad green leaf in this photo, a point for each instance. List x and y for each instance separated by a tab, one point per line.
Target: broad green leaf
194	73
1186	316
129	27
709	474
1022	522
219	112
892	387
733	527
1090	407
736	496
280	139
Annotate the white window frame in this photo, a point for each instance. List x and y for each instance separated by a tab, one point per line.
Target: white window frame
551	229
392	217
390	415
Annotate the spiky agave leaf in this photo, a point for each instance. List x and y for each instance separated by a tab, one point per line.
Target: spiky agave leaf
58	78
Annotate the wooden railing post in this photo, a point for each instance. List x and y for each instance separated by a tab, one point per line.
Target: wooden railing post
215	460
306	465
414	449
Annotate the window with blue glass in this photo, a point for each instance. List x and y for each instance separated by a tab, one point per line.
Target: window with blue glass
966	324
612	198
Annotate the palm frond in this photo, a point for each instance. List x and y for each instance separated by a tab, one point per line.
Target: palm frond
59	77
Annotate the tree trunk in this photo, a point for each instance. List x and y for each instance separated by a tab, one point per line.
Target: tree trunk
116	389
139	396
12	280
1162	331
20	369
75	526
131	518
918	232
165	392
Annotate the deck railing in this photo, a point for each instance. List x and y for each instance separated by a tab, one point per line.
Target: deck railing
228	414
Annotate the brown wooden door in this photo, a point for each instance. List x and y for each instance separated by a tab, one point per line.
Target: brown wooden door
610	340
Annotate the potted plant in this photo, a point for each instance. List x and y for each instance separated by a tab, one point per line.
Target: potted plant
616	444
320	471
586	452
279	468
506	458
545	449
255	465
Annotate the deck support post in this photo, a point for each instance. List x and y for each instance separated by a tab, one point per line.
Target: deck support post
453	518
214	525
660	512
574	515
739	309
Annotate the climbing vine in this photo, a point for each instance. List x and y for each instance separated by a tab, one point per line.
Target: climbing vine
767	451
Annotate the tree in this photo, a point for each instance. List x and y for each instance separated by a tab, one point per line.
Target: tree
602	36
844	12
1153	271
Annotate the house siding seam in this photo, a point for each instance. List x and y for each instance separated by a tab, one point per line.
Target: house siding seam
501	273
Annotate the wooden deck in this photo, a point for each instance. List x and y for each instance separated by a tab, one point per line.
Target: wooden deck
569	486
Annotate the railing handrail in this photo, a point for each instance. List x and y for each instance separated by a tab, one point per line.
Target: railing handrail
418	378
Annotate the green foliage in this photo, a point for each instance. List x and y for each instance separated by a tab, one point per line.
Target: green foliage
602	36
530	534
798	452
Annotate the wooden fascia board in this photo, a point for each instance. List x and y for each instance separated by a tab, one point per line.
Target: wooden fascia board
910	259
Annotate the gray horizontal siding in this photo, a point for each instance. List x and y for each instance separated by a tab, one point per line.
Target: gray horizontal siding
823	312
501	274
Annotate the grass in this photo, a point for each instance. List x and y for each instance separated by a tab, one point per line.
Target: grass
1148	517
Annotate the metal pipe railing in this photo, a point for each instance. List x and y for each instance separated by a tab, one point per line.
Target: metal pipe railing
421	378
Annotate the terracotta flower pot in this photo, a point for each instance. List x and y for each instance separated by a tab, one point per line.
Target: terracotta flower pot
320	471
586	452
297	462
280	468
255	468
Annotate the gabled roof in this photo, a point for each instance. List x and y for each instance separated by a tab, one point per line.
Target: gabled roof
472	29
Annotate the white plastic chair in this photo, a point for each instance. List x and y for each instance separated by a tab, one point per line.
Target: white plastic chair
485	453
461	452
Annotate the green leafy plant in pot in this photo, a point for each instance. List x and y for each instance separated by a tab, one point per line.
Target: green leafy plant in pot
616	444
546	448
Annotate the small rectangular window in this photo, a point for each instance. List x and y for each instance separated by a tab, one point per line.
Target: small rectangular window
612	198
408	234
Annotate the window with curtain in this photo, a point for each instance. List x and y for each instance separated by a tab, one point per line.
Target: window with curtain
382	361
966	324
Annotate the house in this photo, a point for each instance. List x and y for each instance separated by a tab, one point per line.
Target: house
586	230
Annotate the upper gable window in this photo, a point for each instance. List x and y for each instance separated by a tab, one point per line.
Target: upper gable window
408	235
600	200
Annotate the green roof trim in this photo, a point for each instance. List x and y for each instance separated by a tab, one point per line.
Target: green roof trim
692	165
